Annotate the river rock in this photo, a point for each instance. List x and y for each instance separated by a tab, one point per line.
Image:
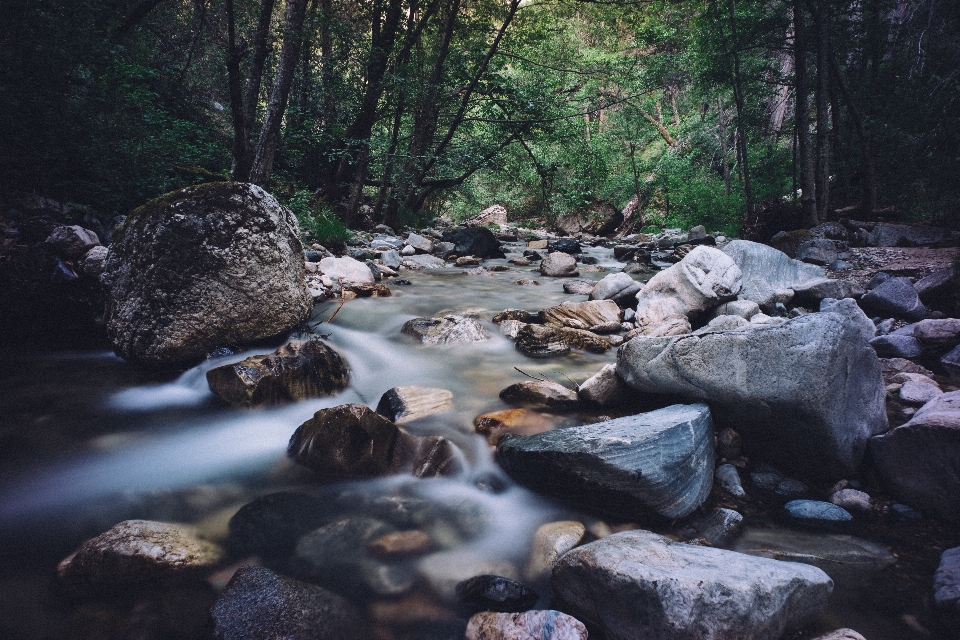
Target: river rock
390	258
729	479
813	291
72	241
603	388
613	285
659	462
530	625
918	460
951	362
296	371
896	346
474	241
524	422
495	593
139	551
517	314
270	525
852	500
202	267
351	441
346	270
401	543
93	262
917	388
551	541
445	330
720	526
409	403
419	243
850	310
639	584
806	393
745	309
559	265
539	341
579	287
814	514
946	587
896	297
540	393
582	315
511	328
758	262
259	604
444	570
819	251
938	334
885	234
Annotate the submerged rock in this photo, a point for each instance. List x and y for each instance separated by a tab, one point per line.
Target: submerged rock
639	581
815	514
658	463
202	267
540	393
296	371
445	330
495	593
270	525
444	570
524	422
530	625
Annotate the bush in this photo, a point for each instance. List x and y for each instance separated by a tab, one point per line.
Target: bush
317	222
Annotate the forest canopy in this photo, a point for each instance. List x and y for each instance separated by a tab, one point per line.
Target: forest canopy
693	111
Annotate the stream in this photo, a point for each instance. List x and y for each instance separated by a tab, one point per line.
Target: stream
87	440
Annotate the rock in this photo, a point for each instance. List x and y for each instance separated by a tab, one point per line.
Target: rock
579	287
538	244
759	262
901	235
639	580
654	463
728	443
788	242
511	328
423	262
409	403
467	261
582	315
938	334
258	604
720	526
538	341
559	265
946	586
806	393
848	560
474	241
445	330
540	393
852	499
202	267
724	323
93	261
271	525
564	245
607	328
296	371
941	290
771	480
137	551
831	231
522	422
520	262
495	593
347	270
819	251
813	291
419	243
496	214
896	346
729	479
850	310
840	265
412	610
390	258
550	542
530	625
351	441
917	389
813	514
444	570
400	543
841	634
745	309
634	268
951	363
408	250
704	279
896	297
599	219
72	241
609	287
918	460
603	388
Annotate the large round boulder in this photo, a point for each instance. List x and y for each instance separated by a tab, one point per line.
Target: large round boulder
206	266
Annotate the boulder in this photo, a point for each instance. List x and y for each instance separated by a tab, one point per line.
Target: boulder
885	234
582	315
258	604
559	265
613	286
951	362
896	297
72	241
654	464
445	330
896	346
409	403
579	287
938	334
745	309
550	542
539	341
941	290
139	551
816	515
600	219
720	526
760	262
637	584
346	270
604	388
529	625
203	267
419	243
819	251
849	309
918	460
495	593
813	291
540	393
296	371
351	441
390	258
564	245
474	241
93	262
496	214
806	393
423	262
831	231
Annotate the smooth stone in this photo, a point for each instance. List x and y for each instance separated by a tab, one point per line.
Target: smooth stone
259	604
849	309
445	330
612	285
444	570
401	543
817	289
653	464
559	265
408	250
390	258
424	262
347	269
814	514
819	251
550	542
885	234
951	362
603	388
852	499
582	315
897	346
410	403
745	309
538	341
270	525
637	580
759	262
296	371
540	393
919	393
946	586
138	551
474	241
419	243
530	625
943	333
729	479
523	422
895	297
495	593
720	527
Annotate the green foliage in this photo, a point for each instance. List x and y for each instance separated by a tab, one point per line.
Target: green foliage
317	222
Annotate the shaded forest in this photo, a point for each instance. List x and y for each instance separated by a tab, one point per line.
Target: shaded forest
356	112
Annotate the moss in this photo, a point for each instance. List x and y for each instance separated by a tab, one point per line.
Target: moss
139	217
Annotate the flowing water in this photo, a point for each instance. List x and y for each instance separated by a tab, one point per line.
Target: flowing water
87	440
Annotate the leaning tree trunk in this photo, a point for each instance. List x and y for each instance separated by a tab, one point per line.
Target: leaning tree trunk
823	108
808	190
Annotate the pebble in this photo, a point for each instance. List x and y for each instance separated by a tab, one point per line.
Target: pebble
531	625
729	478
852	499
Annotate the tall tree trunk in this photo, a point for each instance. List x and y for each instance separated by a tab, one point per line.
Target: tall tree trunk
236	92
822	17
739	100
289	55
724	146
777	105
242	150
836	143
869	180
808	190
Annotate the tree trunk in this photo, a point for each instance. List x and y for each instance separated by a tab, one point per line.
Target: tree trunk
777	107
289	55
738	98
808	190
823	108
724	148
869	177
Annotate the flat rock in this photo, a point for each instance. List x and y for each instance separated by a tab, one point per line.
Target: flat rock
523	422
423	262
559	265
495	593
814	514
409	403
540	393
637	580
445	330
530	625
550	542
539	341
745	309
813	291
582	315
897	346
896	297
936	334
346	270
658	463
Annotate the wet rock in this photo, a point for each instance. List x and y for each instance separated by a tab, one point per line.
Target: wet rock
819	251
414	609
539	341
351	441
523	422
896	297
579	287
270	525
745	309
296	371
409	403
918	460
474	241
445	330
467	261
551	541
813	514
729	479
564	245
517	314
511	328
896	346
841	634
582	339
260	604
728	443
850	310
205	266
423	262
614	286
852	500
538	244
495	593
607	328
654	463
769	479
559	265
639	580
401	543
946	587
443	571
72	241
346	270
806	394
604	388
520	262
582	315
540	393
530	625
138	551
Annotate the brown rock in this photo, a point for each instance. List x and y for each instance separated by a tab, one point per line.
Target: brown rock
529	625
551	541
582	315
728	443
539	341
401	543
523	422
540	393
583	339
409	403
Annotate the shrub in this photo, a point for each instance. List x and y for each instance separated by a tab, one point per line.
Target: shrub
317	222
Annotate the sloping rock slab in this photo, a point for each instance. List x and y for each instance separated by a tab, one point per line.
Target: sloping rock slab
760	262
582	315
805	394
637	585
658	463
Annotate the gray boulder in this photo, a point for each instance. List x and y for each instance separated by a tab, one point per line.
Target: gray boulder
938	334
559	265
202	267
951	362
613	286
745	309
540	393
849	309
390	258
819	251
93	262
896	346
902	235
445	330
346	269
410	403
896	297
819	288
419	243
423	262
604	388
637	584
805	394
658	463
72	241
760	262
946	586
